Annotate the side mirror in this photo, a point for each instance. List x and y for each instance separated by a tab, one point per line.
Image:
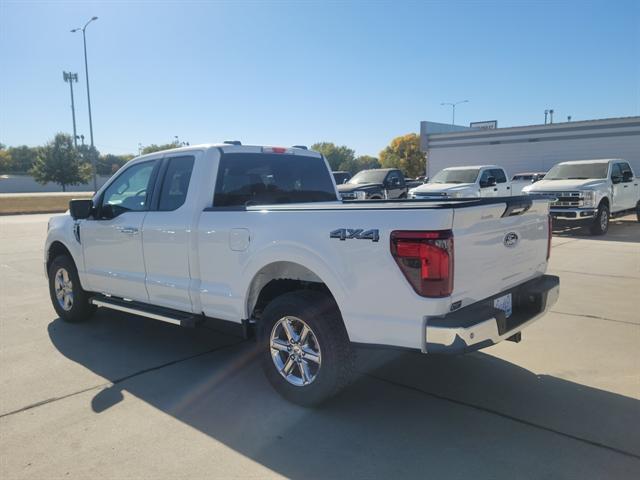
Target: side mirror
80	209
616	179
108	211
490	182
627	176
395	182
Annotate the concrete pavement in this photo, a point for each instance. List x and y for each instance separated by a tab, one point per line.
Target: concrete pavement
126	397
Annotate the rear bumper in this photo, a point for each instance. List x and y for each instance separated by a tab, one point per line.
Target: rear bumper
573	213
481	325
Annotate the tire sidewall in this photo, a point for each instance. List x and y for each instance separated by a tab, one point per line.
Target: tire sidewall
319	313
81	309
596	228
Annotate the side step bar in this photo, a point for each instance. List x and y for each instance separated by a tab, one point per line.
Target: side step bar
168	315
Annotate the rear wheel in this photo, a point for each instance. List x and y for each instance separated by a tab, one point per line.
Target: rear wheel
638	211
306	353
69	300
600	223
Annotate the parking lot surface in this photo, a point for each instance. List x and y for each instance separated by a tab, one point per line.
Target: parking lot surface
128	397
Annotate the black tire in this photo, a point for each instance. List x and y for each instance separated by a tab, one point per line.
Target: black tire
337	359
79	309
600	224
638	211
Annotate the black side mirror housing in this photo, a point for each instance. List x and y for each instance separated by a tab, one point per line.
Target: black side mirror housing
80	208
490	182
627	176
616	179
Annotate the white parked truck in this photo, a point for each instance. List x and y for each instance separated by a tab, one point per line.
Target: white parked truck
465	182
255	239
591	192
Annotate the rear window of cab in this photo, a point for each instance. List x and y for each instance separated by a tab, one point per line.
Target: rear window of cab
246	179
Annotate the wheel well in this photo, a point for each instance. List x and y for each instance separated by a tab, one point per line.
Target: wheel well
605	200
277	279
56	249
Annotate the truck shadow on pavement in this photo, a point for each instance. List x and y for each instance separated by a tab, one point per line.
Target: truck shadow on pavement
406	415
624	229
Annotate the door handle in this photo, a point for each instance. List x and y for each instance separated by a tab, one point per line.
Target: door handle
495	189
626	186
128	230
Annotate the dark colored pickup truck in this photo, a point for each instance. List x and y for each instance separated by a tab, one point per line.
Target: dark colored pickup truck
374	184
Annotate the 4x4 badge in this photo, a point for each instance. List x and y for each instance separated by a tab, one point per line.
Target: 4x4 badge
355	233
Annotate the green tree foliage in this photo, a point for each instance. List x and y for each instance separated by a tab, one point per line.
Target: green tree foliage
22	158
5	160
363	162
339	157
404	153
58	161
109	164
156	148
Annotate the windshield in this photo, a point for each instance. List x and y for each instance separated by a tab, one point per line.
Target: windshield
455	176
577	171
368	176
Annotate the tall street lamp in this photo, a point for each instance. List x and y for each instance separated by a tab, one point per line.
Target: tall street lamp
70	78
86	71
453	108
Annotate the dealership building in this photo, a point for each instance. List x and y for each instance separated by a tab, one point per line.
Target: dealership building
533	148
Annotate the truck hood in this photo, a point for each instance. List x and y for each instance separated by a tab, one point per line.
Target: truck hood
443	187
556	185
361	186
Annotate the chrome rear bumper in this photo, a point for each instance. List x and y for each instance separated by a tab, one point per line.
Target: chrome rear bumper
481	325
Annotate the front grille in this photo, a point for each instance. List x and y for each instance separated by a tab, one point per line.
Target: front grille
567	199
429	194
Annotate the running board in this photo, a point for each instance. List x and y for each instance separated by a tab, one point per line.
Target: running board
168	315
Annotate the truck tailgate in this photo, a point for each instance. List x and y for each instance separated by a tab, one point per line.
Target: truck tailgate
496	249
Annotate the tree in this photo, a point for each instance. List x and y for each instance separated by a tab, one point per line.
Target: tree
363	162
58	161
5	160
404	153
156	148
22	158
337	156
109	164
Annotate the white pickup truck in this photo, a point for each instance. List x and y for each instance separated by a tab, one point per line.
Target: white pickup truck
465	182
590	191
255	239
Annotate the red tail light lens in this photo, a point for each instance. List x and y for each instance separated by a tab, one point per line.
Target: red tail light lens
550	222
426	260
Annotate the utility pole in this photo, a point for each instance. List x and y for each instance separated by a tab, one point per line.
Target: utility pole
70	78
86	71
546	113
551	116
453	109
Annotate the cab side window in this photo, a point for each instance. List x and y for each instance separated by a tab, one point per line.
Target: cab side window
175	183
484	178
625	170
499	175
616	172
394	178
130	191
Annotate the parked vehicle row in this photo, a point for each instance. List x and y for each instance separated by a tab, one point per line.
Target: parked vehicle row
590	191
256	239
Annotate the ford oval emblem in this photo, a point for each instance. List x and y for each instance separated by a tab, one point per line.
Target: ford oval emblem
510	239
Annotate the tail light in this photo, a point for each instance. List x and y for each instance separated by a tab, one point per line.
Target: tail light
550	222
426	260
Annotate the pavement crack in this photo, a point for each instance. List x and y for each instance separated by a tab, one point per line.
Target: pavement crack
119	380
595	317
506	416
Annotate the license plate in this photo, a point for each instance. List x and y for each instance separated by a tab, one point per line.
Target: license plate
504	303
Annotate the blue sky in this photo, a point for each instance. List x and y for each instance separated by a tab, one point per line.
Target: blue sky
284	73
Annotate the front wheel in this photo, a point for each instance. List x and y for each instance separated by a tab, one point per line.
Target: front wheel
69	300
638	211
306	353
600	223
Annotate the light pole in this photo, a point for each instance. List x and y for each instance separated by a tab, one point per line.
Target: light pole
72	77
86	71
453	108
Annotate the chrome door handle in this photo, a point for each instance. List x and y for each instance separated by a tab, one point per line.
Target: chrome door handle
128	230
